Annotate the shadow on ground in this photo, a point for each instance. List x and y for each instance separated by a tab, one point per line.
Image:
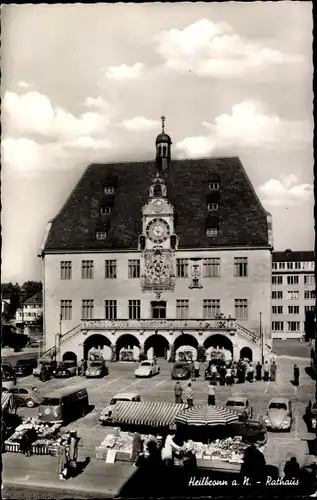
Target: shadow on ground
310	372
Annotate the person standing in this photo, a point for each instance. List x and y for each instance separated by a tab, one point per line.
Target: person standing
222	375
229	376
192	371
167	451
73	449
137	448
250	372
197	368
211	394
189	394
273	369
63	462
296	375
291	469
258	370
82	368
214	374
266	371
43	374
178	392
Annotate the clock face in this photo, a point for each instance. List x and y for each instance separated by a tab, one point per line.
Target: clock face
158	230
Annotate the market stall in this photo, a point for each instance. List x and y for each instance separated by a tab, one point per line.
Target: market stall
118	446
43	437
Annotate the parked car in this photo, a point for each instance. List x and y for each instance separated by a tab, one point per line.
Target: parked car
279	415
66	368
25	367
26	396
48	363
251	431
181	370
240	405
105	415
96	369
147	368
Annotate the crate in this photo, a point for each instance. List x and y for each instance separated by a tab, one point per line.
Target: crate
40	449
12	447
122	456
101	453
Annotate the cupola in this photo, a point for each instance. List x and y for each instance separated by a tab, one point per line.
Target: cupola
163	148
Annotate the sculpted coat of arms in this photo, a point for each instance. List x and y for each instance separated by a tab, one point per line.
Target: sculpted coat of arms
158	271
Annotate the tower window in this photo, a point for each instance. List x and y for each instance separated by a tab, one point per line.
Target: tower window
101	235
159	310
213	186
108	189
105	210
213	231
212	207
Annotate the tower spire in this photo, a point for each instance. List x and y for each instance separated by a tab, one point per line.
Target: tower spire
163	148
163	123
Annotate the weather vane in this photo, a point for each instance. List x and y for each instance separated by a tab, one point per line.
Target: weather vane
163	123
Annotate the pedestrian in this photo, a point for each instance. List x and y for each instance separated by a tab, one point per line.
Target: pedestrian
167	451
189	394
291	469
192	370
178	392
266	371
137	448
73	449
253	466
229	376
25	444
296	375
197	368
43	373
211	394
214	374
258	370
273	369
222	375
82	368
63	462
250	372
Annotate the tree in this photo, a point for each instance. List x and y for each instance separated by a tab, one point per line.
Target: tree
30	288
14	293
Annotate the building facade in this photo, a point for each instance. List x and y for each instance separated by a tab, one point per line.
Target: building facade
31	310
156	256
293	292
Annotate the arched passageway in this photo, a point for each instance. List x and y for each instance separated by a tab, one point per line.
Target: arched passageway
99	342
185	347
159	344
70	356
129	342
218	342
246	352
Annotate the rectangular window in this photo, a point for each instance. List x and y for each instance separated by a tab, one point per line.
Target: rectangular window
281	265
212	231
293	326
212	207
213	186
277	295
278	326
105	210
289	265
277	309
87	310
309	294
292	280
134	309
108	190
241	266
241	309
182	308
309	308
101	235
66	309
297	265
293	294
277	280
211	268
293	309
159	310
87	269
134	268
182	268
110	269
274	265
211	308
309	279
110	309
66	270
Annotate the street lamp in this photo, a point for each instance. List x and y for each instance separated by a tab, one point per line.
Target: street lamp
262	340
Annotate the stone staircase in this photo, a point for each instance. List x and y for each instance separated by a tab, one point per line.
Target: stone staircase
71	333
253	337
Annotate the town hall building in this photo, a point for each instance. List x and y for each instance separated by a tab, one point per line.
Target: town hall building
156	256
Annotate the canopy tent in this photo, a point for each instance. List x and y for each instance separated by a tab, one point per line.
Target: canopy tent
206	416
7	402
146	413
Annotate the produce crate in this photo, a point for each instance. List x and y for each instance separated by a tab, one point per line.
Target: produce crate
101	453
40	449
12	447
122	456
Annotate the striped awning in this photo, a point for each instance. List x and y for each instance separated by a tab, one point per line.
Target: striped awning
146	413
207	415
6	401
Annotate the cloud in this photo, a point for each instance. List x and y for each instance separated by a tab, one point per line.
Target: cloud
213	49
88	143
25	85
24	154
286	192
125	72
249	126
97	103
34	114
139	123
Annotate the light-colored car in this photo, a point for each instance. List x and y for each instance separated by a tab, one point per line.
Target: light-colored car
26	396
147	368
279	415
240	405
105	415
96	369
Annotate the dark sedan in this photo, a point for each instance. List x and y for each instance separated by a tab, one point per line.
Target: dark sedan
251	431
65	369
25	367
181	370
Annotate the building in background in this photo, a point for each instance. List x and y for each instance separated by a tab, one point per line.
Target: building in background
159	256
293	292
31	310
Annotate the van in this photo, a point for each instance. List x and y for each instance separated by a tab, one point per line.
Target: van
64	405
8	378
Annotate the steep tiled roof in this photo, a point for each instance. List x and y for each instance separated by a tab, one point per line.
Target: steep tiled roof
241	220
297	256
35	299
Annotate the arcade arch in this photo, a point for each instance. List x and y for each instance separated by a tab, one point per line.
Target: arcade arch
70	356
98	341
159	345
246	352
128	341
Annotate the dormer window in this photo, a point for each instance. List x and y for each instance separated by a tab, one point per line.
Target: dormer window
105	210
212	207
213	186
108	189
101	235
213	231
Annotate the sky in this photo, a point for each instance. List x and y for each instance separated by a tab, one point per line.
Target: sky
85	83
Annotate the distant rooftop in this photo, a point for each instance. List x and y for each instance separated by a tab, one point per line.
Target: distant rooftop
296	256
35	299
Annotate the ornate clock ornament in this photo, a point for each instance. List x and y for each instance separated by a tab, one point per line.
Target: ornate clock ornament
158	230
158	206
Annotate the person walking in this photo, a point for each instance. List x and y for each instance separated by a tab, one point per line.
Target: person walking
258	370
63	462
296	375
189	394
211	394
178	392
214	374
266	371
137	448
273	369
